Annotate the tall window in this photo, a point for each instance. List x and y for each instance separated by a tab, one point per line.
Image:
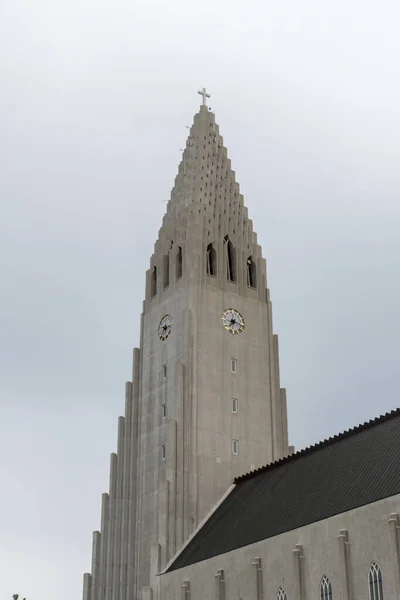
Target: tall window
375	582
178	264
230	259
164	370
234	405
153	282
163	452
211	260
281	594
325	589
251	273
166	271
164	411
235	447
233	365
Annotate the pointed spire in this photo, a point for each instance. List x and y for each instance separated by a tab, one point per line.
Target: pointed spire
206	194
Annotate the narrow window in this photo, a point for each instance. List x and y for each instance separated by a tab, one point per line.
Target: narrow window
325	589
166	271
233	365
179	263
164	411
230	260
251	273
234	405
281	594
211	267
375	582
163	452
164	370
235	447
154	282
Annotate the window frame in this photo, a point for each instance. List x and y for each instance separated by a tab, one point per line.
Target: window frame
164	370
235	445
281	594
163	452
233	365
164	410
325	588
234	406
375	582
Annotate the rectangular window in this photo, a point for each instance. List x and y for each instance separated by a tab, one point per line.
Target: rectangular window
234	405
233	365
163	452
164	370
235	447
164	411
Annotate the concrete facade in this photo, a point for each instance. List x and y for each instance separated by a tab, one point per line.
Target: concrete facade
341	548
175	454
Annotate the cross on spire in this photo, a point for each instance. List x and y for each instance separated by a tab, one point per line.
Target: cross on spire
205	95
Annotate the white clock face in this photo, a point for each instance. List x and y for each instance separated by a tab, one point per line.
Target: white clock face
164	328
233	321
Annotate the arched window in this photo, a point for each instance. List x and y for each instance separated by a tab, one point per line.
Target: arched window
251	273
230	259
166	271
154	282
178	264
281	594
375	582
325	589
211	260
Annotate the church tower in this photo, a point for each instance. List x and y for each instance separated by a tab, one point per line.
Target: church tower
205	403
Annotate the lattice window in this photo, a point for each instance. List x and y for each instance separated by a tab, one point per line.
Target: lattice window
375	582
281	594
211	267
325	589
154	281
251	273
230	260
166	271
178	265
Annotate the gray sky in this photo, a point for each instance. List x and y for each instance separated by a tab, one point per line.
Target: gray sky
94	99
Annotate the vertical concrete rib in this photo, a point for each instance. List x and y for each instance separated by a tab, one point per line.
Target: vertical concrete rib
133	476
171	476
111	526
278	410
118	512
87	584
271	380
95	565
285	439
126	491
103	548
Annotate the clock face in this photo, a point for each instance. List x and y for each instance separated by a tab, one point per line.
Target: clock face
233	321
164	328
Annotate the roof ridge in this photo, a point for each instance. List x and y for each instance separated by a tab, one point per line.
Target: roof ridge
327	442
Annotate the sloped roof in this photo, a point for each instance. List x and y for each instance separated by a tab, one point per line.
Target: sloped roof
355	468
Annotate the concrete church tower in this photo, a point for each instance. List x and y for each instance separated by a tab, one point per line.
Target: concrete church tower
205	403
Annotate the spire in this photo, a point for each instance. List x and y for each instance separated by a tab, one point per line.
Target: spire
207	195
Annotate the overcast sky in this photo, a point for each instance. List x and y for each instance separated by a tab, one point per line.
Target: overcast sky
94	101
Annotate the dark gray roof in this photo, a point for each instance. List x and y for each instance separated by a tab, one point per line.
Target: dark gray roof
352	469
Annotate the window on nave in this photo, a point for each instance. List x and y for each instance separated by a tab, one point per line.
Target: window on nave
375	582
325	589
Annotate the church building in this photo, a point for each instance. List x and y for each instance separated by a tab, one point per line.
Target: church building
207	499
